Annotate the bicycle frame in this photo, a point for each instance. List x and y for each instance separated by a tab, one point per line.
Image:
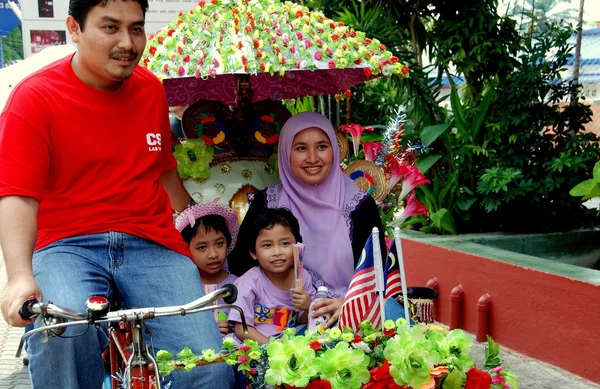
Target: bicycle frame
132	366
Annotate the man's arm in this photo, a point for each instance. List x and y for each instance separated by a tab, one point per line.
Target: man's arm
173	184
18	233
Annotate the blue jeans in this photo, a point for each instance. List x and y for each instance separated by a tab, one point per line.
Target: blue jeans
144	274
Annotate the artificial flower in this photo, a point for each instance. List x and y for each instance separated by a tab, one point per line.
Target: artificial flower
193	158
291	362
356	131
460	345
344	367
478	379
409	357
372	150
381	378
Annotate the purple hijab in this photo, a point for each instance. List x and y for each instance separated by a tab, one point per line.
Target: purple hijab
320	208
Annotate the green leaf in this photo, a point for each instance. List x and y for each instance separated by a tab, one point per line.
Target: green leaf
431	133
457	110
594	192
453	380
428	229
446	188
442	219
425	163
597	171
465	204
371	137
583	188
483	109
185	353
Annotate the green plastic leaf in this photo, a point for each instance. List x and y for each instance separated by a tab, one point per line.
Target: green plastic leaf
583	188
443	219
425	163
165	368
453	380
185	353
163	355
597	171
431	133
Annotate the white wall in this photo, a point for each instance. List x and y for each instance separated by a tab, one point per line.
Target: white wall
160	13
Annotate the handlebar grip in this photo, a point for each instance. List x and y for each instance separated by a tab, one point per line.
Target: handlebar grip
25	311
233	292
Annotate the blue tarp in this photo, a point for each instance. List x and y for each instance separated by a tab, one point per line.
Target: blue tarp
8	19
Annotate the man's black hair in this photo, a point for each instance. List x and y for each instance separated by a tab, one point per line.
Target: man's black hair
269	219
216	223
79	9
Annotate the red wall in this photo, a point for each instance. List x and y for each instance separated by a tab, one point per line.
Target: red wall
551	318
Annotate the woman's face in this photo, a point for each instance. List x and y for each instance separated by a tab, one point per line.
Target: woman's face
311	157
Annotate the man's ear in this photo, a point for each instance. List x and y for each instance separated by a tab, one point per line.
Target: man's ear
253	255
73	28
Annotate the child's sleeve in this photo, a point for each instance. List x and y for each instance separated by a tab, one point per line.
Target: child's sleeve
245	300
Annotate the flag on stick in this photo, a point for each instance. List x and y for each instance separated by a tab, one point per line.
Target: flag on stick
361	302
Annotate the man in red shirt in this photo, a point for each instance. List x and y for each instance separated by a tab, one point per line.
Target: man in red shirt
87	182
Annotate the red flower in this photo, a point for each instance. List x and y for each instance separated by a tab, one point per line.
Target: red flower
245	348
367	72
341	24
357	339
367	41
201	3
248	29
381	47
299	14
352	33
394	59
478	379
332	25
315	345
186	58
151	37
179	21
152	50
146	60
404	69
170	32
256	43
335	37
348	94
389	333
381	378
161	39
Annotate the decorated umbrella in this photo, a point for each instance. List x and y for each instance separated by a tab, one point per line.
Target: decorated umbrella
228	50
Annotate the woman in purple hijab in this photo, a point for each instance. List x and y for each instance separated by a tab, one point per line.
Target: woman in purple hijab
336	218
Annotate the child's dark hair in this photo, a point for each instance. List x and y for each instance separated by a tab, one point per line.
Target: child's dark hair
208	222
79	9
268	219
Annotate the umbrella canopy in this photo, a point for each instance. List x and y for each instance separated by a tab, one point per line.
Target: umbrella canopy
282	50
11	75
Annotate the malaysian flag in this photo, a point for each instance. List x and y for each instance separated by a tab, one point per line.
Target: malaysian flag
361	301
391	273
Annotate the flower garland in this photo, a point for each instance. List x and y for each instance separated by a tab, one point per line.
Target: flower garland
241	36
398	356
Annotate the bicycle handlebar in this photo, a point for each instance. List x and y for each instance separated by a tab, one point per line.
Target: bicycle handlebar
32	308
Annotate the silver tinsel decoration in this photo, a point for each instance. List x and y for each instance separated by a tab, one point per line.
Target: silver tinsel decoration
390	131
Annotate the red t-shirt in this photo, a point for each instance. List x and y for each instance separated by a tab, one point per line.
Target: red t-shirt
93	159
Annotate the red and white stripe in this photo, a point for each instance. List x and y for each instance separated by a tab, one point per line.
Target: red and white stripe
361	301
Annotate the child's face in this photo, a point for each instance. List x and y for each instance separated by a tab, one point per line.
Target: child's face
274	250
209	250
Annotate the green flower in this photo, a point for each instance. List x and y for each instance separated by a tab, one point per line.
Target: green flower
291	362
370	338
228	343
409	357
254	354
459	345
347	337
344	367
389	325
209	355
193	159
335	333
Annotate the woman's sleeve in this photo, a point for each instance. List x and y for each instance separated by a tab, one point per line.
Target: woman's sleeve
364	218
239	260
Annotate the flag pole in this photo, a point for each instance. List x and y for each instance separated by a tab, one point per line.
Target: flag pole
402	273
380	284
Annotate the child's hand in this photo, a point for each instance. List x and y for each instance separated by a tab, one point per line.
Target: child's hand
300	299
224	327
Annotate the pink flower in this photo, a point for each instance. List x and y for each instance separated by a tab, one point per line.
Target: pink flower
181	71
286	41
331	65
184	40
299	35
372	150
356	131
215	62
166	68
497	369
319	42
245	348
397	171
243	358
318	55
293	50
197	74
179	49
413	179
307	43
186	58
413	207
212	72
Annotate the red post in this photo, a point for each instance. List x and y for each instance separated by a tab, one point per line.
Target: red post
456	301
483	317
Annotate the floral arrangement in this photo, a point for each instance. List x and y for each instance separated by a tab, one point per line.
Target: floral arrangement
395	357
252	36
398	163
